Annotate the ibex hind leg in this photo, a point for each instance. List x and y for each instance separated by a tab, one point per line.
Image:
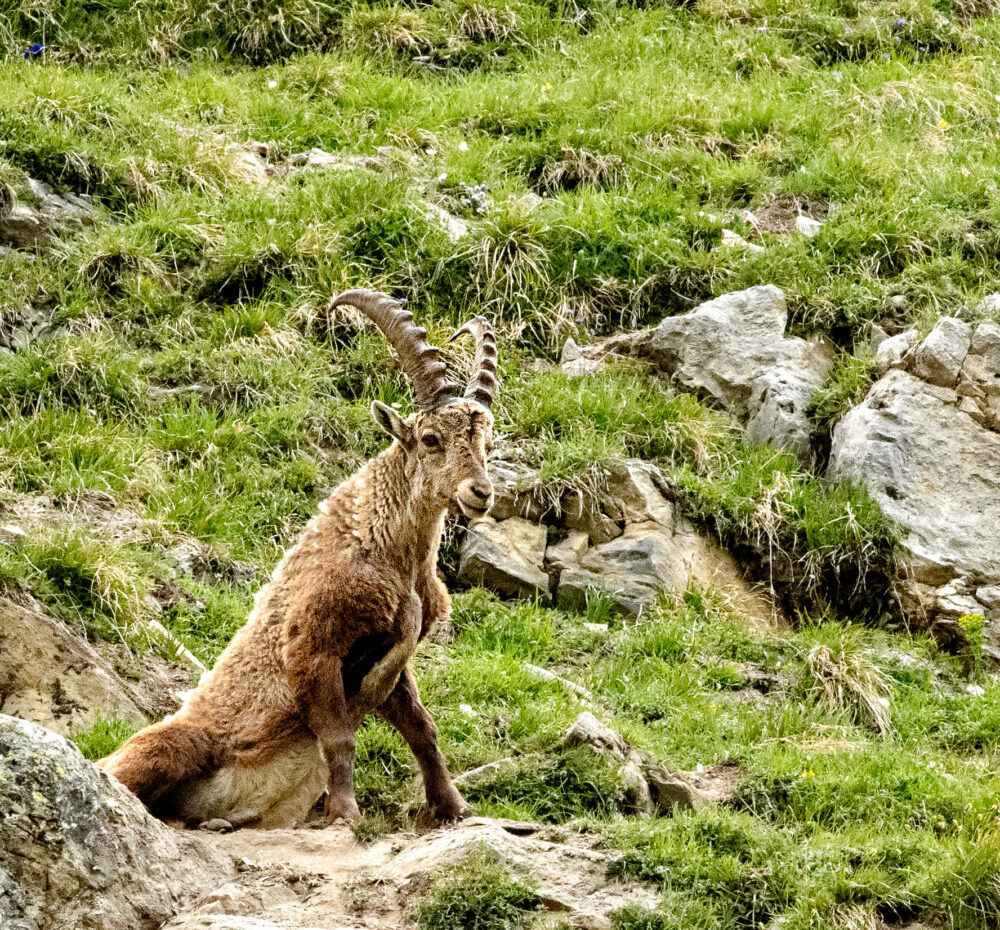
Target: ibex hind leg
158	759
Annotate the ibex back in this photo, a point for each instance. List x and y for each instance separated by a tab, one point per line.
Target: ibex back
330	638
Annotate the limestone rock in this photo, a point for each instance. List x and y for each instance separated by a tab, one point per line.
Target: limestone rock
581	511
807	226
938	359
506	557
981	367
79	850
52	677
733	240
931	468
721	348
779	400
640	491
298	879
568	551
32	224
650	788
514	491
893	352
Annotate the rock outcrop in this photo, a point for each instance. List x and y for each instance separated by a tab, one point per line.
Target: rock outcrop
627	540
505	557
32	222
52	677
733	351
926	443
79	850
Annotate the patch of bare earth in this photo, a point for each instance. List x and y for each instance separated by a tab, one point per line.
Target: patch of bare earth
324	878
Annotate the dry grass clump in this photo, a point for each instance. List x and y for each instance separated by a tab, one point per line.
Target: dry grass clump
845	678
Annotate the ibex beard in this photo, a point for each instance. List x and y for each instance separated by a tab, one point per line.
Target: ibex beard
330	637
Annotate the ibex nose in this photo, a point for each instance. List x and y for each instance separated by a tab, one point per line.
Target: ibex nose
475	496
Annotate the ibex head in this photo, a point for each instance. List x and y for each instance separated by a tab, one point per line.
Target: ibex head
447	437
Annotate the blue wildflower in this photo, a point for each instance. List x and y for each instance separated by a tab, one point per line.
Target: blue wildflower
36	51
900	23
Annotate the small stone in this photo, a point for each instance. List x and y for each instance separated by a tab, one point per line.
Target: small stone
893	352
989	304
807	226
596	628
977	690
938	359
13	536
570	351
733	240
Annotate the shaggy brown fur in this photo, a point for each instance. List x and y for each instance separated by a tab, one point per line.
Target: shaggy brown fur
328	641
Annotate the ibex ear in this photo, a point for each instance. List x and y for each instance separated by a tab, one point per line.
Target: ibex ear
392	423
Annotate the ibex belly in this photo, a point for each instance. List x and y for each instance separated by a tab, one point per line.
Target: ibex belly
278	793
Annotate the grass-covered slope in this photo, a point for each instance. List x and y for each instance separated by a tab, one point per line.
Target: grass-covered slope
192	376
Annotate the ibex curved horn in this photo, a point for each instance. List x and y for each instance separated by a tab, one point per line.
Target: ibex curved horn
418	358
483	380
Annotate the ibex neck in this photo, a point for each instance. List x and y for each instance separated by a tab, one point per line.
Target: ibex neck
396	519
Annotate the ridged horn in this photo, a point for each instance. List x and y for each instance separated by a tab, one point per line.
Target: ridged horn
418	358
483	380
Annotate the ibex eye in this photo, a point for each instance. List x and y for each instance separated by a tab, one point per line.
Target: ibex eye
431	441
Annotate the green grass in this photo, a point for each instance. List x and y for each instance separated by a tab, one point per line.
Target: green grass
103	737
193	375
477	895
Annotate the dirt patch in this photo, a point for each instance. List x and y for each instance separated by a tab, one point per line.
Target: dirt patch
325	878
779	215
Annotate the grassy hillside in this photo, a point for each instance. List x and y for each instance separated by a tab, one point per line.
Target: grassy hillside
594	153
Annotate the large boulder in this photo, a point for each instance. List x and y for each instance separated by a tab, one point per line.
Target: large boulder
79	850
506	556
52	677
721	348
930	455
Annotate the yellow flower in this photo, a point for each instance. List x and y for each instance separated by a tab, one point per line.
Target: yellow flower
548	86
943	124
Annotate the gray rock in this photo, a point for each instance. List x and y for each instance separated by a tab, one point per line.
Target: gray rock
779	400
506	557
989	304
932	469
79	850
515	491
644	552
640	492
989	596
894	351
807	226
938	359
568	551
628	595
649	787
52	677
723	346
981	367
581	511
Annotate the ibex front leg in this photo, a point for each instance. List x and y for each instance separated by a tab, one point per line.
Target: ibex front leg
404	711
318	685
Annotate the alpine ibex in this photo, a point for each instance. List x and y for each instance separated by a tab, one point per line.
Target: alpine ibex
330	637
